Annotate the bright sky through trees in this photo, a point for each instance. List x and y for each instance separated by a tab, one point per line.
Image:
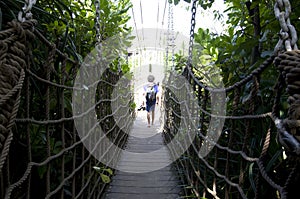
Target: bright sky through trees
154	14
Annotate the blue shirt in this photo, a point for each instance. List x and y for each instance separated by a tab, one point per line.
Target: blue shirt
155	89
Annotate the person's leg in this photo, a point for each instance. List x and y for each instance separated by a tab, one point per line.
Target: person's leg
153	113
148	109
148	118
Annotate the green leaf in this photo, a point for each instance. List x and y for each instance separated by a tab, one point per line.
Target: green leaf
108	170
105	178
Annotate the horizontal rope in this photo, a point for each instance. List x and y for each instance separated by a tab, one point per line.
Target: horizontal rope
245	80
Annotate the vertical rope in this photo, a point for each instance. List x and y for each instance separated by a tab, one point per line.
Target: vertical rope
263	154
62	111
49	66
90	192
197	140
74	162
236	101
215	166
253	95
202	131
83	169
27	127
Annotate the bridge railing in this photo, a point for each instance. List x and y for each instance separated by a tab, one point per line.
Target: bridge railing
42	155
246	161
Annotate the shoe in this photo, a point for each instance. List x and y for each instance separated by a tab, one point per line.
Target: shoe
141	108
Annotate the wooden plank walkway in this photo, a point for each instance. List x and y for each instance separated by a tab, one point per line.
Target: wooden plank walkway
142	174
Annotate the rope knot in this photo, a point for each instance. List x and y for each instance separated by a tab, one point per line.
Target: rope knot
24	30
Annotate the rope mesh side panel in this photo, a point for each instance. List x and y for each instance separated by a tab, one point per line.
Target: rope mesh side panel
12	64
238	166
47	158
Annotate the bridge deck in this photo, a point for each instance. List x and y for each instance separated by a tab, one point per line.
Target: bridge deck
142	174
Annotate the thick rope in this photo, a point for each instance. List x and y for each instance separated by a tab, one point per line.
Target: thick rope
288	64
12	65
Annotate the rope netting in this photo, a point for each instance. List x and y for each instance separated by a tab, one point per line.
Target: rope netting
223	173
257	153
42	155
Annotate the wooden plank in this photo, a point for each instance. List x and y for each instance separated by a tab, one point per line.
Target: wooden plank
144	183
142	196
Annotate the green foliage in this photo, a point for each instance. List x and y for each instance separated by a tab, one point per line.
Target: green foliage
104	173
205	4
75	31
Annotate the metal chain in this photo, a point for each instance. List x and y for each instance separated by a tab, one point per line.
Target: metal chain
97	21
288	34
192	32
25	13
168	36
172	37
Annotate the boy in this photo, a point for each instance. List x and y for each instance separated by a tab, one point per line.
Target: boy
151	90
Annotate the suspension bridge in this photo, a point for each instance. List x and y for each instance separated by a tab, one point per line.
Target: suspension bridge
43	154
